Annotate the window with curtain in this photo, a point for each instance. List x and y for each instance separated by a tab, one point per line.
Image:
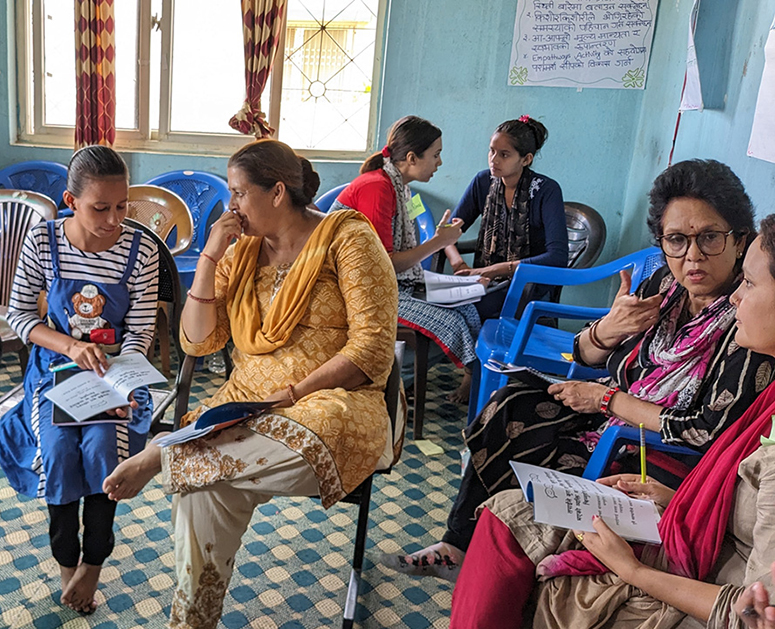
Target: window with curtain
178	82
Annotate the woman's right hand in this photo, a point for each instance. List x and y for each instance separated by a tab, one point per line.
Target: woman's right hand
448	233
753	607
650	490
222	233
629	314
88	356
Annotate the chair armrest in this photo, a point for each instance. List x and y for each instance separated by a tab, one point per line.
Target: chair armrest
536	309
537	274
610	442
466	246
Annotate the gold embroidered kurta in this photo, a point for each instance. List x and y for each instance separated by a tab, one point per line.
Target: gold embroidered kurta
352	312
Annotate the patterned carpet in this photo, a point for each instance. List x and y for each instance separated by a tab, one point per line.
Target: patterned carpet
293	567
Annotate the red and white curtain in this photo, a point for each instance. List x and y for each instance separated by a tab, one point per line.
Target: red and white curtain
95	70
261	23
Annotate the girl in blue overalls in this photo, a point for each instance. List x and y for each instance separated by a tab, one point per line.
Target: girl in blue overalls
100	280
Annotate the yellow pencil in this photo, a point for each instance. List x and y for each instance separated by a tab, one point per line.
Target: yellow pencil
642	454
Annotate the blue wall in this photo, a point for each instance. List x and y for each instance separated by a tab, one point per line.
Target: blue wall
447	60
721	134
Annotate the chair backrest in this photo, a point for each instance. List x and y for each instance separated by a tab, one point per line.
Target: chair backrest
20	210
49	178
206	195
586	235
163	211
325	200
645	263
426	226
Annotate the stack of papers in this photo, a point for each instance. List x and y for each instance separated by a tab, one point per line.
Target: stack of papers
452	290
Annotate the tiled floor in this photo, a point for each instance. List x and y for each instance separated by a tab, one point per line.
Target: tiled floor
293	567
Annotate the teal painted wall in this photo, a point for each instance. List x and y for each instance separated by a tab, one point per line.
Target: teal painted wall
721	134
447	60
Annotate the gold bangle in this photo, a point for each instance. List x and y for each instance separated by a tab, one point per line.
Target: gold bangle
292	395
200	300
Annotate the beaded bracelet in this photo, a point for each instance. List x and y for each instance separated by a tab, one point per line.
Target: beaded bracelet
606	401
511	268
595	340
292	395
200	300
213	260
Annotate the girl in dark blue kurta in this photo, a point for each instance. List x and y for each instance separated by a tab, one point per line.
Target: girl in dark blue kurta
100	280
523	216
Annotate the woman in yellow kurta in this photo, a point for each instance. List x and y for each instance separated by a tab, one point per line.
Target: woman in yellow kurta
310	301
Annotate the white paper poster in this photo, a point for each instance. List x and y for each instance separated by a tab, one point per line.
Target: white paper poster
692	92
762	143
582	44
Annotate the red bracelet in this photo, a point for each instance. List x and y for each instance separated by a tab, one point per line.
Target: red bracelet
606	401
213	260
292	395
199	299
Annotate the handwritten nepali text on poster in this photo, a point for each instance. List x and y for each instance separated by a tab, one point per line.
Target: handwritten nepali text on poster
582	44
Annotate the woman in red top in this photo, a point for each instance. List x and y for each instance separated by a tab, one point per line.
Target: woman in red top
381	192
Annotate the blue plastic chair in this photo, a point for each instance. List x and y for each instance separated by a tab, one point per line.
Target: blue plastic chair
614	437
426	225
207	197
525	343
49	178
326	200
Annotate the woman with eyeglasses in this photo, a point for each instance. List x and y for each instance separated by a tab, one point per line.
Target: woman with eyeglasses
669	348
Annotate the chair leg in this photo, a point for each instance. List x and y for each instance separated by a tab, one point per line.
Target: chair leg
163	332
422	344
227	361
360	547
24	357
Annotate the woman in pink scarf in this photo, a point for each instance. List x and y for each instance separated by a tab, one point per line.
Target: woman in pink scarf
669	349
718	530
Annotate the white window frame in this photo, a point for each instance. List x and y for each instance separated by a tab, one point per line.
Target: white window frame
32	131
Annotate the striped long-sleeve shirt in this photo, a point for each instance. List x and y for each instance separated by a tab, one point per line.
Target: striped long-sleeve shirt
35	274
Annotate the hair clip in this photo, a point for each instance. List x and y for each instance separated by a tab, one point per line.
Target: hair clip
386	151
524	118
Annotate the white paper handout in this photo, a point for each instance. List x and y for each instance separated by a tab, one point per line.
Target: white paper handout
452	290
762	144
691	98
570	502
86	394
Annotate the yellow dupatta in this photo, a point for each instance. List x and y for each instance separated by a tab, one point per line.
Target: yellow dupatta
250	334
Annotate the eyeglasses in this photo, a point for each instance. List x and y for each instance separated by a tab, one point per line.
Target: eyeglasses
710	243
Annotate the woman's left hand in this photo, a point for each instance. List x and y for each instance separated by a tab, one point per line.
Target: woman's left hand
609	548
122	411
582	397
753	607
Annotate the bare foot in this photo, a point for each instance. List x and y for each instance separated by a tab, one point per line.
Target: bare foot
460	395
130	476
66	574
440	560
79	594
